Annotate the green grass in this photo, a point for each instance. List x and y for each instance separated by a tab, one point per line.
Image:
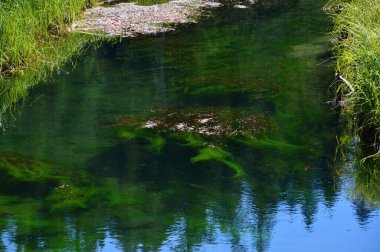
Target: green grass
29	30
34	41
62	51
356	38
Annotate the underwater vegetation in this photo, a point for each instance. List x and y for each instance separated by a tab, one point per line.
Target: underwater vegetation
66	189
209	131
24	169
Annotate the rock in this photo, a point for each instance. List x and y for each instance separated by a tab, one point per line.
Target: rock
207	122
239	6
150	124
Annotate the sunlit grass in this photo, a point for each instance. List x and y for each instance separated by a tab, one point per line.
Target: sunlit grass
356	38
30	28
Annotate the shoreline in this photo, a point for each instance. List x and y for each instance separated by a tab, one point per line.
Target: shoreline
32	30
57	50
354	36
34	45
63	49
129	19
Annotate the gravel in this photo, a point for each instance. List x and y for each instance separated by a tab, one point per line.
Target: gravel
129	19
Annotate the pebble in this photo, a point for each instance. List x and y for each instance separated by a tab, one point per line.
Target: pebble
129	19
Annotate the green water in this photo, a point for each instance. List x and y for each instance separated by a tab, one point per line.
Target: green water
241	159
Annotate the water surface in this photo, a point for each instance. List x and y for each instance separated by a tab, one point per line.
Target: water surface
73	181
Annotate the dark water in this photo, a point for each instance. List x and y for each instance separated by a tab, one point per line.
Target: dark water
70	181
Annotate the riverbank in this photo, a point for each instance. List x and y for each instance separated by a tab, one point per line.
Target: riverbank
16	88
356	40
38	38
34	42
30	31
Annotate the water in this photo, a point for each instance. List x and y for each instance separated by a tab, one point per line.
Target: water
72	180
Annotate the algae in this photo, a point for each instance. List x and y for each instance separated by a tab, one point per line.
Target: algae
25	169
203	129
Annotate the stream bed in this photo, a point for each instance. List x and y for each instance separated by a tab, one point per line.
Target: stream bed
213	137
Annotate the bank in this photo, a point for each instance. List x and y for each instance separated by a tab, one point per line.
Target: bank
34	42
31	32
38	37
356	42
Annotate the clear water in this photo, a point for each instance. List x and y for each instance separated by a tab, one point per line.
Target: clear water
72	181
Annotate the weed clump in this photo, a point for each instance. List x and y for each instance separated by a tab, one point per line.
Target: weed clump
356	39
28	30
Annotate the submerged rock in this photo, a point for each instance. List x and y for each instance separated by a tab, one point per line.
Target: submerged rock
206	122
239	6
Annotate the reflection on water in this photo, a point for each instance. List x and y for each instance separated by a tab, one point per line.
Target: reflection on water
82	167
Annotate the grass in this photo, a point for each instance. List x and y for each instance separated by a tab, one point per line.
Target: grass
356	39
29	30
14	90
35	41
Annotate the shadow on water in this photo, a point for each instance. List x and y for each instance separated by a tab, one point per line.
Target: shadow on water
214	137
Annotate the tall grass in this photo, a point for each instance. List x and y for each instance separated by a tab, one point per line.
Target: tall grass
29	27
356	38
14	90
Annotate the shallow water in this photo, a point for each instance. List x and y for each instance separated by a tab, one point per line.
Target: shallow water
77	177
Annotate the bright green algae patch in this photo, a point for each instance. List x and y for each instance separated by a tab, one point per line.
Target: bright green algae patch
220	155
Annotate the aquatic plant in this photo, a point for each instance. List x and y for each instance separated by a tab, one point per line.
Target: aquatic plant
271	144
24	169
214	153
202	129
69	198
356	39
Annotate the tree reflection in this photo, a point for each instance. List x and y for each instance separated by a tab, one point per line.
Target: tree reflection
78	185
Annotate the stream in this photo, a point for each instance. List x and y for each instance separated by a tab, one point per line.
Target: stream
213	137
